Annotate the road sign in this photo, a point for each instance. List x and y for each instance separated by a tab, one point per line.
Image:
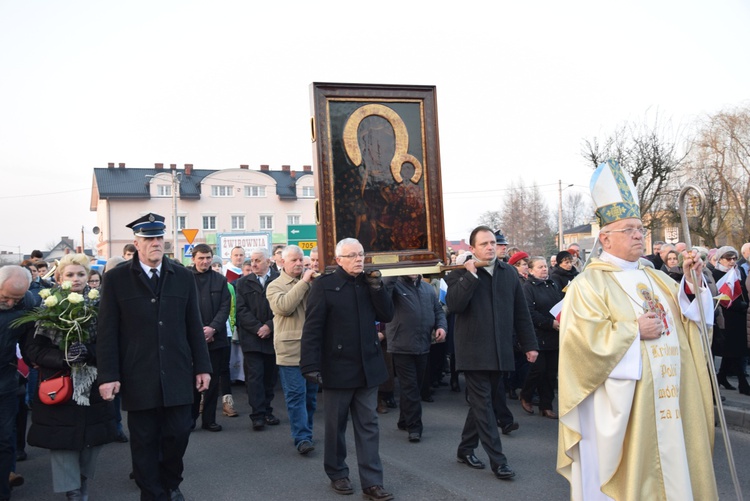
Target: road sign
189	234
187	250
307	245
301	232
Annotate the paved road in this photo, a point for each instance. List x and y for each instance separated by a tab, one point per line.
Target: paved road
240	464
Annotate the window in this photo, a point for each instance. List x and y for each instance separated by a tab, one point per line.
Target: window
266	222
221	191
209	222
292	219
181	222
238	222
255	191
308	192
163	190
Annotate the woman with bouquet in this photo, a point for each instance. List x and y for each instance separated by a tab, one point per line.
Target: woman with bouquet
65	343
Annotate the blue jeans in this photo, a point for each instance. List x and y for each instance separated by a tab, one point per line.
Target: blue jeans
8	410
301	400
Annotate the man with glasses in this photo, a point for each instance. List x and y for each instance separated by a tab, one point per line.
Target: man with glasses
636	409
341	352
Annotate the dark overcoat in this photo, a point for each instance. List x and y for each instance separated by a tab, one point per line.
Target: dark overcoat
417	312
253	312
488	309
339	338
735	320
152	343
215	302
541	296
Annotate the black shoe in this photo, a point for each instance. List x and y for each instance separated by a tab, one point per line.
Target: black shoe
212	427
305	446
415	436
401	426
271	420
470	460
724	382
505	472
342	486
376	493
259	424
21	456
428	399
122	438
390	402
508	427
176	495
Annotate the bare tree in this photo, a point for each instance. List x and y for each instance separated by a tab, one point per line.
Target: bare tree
525	219
490	218
576	210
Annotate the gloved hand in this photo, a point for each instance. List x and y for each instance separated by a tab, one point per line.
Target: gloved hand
314	377
373	279
76	352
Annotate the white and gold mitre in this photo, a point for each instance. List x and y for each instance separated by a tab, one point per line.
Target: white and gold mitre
614	194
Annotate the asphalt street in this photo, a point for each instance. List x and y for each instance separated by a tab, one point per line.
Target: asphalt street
241	464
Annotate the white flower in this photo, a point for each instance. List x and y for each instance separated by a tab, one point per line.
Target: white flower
75	298
45	293
93	294
50	301
66	285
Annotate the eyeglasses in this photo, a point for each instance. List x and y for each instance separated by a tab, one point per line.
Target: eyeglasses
731	258
353	255
94	281
630	231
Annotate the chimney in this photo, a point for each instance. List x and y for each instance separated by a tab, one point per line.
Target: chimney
246	167
188	169
111	165
159	166
292	174
285	168
264	168
121	165
173	166
307	168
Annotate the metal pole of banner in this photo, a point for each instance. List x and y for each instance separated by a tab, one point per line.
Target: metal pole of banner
703	327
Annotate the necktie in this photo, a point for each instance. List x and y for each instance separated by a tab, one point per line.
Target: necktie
154	279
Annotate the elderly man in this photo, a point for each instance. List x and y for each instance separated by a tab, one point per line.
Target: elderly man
341	351
743	263
287	296
151	346
15	300
636	411
314	260
490	306
255	330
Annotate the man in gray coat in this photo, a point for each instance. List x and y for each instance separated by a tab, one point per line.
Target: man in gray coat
489	304
417	314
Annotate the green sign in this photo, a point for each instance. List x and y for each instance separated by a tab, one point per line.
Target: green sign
303	235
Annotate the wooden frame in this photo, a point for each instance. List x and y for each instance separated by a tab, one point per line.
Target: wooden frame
377	174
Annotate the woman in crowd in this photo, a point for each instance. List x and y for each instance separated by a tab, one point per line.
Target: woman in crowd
521	262
541	295
735	323
563	272
76	430
95	279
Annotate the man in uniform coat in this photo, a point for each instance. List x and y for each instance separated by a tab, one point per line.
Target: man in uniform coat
489	305
151	348
341	351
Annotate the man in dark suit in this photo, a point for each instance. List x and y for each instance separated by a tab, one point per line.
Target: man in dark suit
489	305
255	330
151	348
341	351
215	301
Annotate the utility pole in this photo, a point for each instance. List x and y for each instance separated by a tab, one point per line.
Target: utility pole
559	214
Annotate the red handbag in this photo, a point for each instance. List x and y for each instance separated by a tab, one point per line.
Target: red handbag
56	390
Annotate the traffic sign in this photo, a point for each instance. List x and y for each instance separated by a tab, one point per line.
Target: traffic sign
189	234
301	232
187	250
307	246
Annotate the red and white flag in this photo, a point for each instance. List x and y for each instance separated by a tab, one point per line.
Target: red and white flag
729	285
556	310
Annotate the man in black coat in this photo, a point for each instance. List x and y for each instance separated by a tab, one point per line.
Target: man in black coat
341	352
214	301
489	305
151	347
255	330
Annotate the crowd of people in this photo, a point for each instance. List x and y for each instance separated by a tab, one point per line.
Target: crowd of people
157	339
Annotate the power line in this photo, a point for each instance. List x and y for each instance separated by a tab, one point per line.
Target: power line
43	194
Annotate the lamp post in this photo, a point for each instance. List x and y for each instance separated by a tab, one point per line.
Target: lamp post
176	179
559	214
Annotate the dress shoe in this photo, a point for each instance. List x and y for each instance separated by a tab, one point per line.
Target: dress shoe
508	427
390	402
227	406
271	420
382	407
415	436
401	426
470	460
505	472
259	424
725	383
526	406
15	480
342	486
21	455
376	493
305	446
548	413
176	495
121	437
428	398
212	427
74	495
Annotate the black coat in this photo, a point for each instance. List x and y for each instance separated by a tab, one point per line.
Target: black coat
562	277
152	343
253	312
541	296
9	336
215	301
488	309
339	337
416	313
735	320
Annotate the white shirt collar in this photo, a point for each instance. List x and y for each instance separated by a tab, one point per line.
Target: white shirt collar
147	269
622	263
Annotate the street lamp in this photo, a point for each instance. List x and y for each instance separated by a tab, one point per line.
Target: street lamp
176	180
559	214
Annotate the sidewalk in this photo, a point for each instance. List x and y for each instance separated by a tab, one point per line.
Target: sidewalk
736	408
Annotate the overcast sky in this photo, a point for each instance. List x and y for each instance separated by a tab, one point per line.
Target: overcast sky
217	84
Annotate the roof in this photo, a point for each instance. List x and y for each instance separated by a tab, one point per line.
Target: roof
584	228
133	183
